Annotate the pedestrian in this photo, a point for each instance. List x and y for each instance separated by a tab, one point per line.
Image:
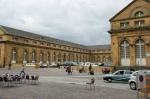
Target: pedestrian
22	73
9	66
90	68
69	70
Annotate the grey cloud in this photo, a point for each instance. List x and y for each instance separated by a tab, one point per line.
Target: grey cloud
81	21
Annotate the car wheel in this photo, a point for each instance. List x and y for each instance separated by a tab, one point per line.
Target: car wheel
133	85
109	80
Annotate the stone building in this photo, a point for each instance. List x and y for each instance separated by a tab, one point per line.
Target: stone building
20	47
130	35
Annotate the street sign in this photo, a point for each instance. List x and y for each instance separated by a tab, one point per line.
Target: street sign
143	83
141	80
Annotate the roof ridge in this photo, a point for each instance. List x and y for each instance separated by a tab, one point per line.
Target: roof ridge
48	37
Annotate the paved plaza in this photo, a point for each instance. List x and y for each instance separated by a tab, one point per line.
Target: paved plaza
56	84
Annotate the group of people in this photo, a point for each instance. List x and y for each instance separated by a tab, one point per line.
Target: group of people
69	70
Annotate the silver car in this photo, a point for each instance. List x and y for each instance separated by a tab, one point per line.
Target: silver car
120	75
132	82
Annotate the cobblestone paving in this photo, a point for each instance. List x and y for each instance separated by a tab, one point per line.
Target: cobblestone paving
56	84
63	91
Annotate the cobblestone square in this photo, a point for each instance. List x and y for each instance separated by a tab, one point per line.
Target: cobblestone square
59	85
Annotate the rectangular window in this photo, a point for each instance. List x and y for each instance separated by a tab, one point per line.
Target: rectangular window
34	42
26	41
41	43
124	25
48	44
1	38
139	23
54	45
59	46
15	38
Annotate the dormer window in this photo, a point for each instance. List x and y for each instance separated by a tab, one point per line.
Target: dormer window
26	41
34	42
41	43
139	14
15	38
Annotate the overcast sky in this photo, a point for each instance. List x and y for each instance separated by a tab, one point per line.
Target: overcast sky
80	21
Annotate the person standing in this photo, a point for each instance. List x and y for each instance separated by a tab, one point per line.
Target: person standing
90	68
9	66
22	73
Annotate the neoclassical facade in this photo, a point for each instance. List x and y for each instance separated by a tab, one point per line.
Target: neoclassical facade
130	35
20	47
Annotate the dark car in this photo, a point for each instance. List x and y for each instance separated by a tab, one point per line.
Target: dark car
120	75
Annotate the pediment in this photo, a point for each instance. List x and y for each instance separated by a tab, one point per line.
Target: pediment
130	10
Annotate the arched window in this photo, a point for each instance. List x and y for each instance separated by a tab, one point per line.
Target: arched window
77	58
140	49
69	57
139	14
125	51
73	58
104	59
59	57
41	57
54	57
64	57
98	59
33	56
109	58
14	55
140	53
25	56
87	59
48	58
80	58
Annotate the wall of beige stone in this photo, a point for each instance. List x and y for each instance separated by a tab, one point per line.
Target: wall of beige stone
131	37
127	15
20	48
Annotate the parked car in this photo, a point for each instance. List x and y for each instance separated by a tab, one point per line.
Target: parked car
132	82
30	65
53	65
44	65
70	63
120	75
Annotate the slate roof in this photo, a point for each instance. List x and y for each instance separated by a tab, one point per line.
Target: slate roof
97	47
21	33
